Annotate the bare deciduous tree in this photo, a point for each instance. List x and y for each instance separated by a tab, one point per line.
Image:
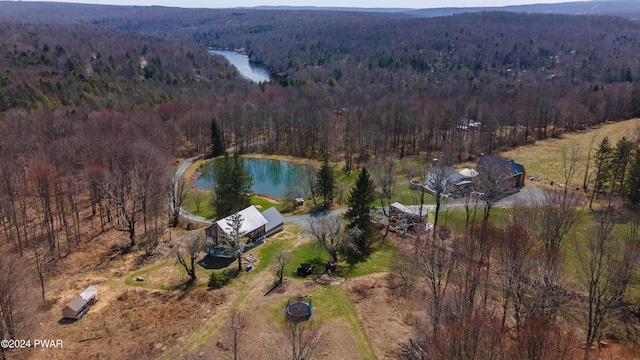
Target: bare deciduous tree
281	259
491	185
606	264
384	179
437	257
326	230
439	183
187	253
417	175
177	195
40	255
556	214
513	266
236	329
303	338
14	287
197	197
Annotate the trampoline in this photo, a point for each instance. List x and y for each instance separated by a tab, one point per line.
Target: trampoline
300	309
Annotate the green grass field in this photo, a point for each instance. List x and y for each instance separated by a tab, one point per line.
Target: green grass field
207	210
544	158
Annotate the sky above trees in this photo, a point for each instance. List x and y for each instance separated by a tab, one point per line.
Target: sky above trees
416	4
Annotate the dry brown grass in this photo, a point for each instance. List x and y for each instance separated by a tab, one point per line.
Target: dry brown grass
544	158
292	159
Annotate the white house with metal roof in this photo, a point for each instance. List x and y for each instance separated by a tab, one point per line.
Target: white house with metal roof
255	226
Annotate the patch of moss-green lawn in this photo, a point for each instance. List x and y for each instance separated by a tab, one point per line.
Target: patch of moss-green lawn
207	210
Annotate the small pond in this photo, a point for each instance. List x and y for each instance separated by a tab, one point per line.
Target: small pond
270	177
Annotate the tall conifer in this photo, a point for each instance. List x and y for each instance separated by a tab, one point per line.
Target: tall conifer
325	183
360	200
217	140
232	185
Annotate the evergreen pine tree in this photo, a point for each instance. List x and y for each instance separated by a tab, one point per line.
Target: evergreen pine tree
619	163
232	185
242	182
217	140
360	200
325	183
603	163
633	179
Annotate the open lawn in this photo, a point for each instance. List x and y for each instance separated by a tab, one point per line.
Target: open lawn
206	208
544	160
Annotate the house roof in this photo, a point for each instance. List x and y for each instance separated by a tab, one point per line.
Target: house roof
252	219
466	123
404	209
443	173
503	168
274	218
468	173
77	303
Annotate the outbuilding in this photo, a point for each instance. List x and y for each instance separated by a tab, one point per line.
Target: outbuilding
79	306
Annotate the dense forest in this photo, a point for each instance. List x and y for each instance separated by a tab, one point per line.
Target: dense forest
96	106
410	80
68	66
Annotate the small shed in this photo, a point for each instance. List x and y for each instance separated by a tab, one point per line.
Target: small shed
79	306
399	212
275	221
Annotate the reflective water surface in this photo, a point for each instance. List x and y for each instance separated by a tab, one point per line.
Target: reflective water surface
249	70
270	177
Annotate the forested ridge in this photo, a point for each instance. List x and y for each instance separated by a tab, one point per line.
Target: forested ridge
53	66
410	80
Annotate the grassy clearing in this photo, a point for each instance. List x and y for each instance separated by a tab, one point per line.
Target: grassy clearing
406	196
168	275
191	170
347	179
267	251
263	203
330	303
207	209
309	252
378	261
544	158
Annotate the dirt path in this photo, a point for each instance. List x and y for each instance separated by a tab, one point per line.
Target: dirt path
246	293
